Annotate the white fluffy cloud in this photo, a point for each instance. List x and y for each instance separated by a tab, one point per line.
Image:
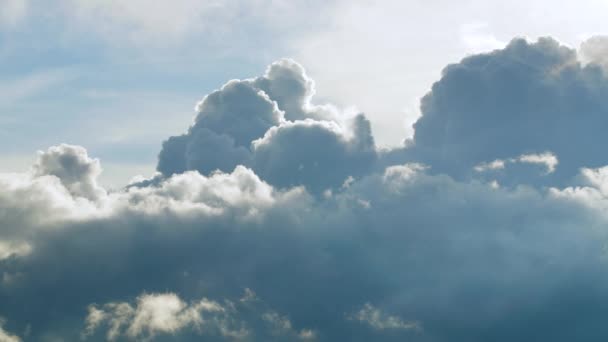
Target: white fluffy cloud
159	314
547	159
595	50
153	314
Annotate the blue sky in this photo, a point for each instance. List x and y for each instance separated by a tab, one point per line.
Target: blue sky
131	71
269	170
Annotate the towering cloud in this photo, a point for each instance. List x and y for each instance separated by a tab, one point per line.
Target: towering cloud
275	219
270	124
528	98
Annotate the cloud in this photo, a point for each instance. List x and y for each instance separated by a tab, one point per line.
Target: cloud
160	314
10	248
153	314
526	98
377	319
314	261
269	124
382	56
339	241
8	337
546	159
595	50
317	154
73	167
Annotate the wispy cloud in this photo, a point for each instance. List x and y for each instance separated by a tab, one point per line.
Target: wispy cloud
26	87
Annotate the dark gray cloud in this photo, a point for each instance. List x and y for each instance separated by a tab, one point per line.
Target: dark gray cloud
274	219
391	256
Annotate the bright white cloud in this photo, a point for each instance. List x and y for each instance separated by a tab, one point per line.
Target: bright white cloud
593	193
546	159
152	314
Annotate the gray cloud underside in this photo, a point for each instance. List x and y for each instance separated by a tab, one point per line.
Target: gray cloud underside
276	219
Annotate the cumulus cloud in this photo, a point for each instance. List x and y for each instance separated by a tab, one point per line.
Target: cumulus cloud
525	98
60	186
592	189
595	50
73	167
270	124
301	208
317	154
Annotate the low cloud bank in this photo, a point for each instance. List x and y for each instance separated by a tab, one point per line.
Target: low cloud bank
273	218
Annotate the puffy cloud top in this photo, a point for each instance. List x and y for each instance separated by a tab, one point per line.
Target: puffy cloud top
269	124
527	98
76	171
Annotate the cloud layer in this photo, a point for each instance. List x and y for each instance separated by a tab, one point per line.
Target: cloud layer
273	218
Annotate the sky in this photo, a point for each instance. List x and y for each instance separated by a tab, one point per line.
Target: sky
269	170
132	71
